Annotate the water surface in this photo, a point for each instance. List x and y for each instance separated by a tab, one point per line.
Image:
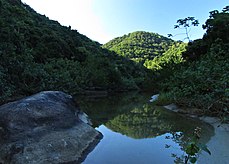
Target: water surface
135	131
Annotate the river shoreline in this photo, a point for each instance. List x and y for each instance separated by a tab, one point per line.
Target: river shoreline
218	144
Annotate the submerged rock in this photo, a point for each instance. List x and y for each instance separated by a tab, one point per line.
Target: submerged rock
154	98
47	127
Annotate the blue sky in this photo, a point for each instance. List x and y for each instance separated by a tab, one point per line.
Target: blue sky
103	20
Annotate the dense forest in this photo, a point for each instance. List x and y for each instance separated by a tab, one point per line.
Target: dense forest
39	54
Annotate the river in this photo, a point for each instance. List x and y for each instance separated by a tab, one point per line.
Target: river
135	131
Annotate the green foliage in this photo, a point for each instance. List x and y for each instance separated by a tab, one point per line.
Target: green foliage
203	80
185	24
164	65
193	147
195	49
202	83
217	26
164	99
139	46
40	54
168	59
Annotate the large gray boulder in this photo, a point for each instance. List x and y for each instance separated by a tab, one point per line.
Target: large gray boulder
47	127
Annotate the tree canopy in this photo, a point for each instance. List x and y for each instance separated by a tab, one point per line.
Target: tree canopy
139	45
202	81
39	54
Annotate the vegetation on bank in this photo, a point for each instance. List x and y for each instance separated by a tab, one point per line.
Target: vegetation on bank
40	54
201	81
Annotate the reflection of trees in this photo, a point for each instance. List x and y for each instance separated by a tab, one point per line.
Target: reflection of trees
140	122
191	145
150	121
101	110
132	115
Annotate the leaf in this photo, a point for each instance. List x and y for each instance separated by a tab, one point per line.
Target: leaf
167	137
176	26
174	155
193	159
170	35
167	146
192	149
226	9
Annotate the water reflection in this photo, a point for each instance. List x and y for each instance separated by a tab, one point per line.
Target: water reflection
135	131
150	121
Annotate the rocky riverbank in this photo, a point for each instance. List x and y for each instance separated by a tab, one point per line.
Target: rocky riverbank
47	127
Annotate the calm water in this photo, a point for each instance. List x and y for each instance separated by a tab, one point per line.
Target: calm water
135	131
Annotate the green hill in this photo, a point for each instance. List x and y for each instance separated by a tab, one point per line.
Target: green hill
39	54
139	45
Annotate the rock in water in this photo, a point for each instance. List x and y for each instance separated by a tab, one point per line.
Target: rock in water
45	128
154	98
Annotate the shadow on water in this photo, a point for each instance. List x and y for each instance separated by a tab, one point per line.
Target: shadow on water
130	123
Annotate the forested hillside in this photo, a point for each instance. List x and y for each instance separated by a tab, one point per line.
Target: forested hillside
40	54
139	45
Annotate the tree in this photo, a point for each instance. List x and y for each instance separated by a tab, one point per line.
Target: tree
185	24
217	26
217	30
